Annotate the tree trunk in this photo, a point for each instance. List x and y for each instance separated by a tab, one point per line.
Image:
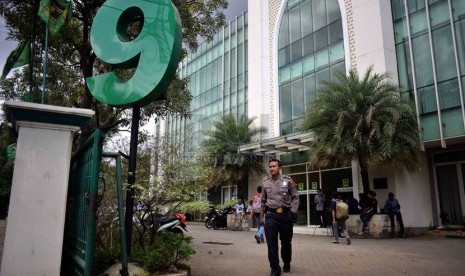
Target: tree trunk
365	179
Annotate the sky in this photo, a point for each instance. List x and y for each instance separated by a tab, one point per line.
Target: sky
6	46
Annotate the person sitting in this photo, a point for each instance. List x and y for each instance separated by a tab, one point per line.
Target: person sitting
353	205
368	211
392	208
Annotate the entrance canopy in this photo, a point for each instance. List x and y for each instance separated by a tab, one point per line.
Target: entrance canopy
279	145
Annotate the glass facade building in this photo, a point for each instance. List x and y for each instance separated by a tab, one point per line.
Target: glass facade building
301	43
217	75
310	50
430	46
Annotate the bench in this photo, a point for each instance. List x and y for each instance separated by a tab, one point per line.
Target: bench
379	226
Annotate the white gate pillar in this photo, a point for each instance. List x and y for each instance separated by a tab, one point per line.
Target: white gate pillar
36	216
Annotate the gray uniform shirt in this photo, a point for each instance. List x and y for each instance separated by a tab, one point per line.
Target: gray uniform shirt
320	202
280	193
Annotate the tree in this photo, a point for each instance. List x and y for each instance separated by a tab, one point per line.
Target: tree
167	178
6	170
363	119
221	147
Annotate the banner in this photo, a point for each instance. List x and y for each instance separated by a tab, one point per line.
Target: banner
57	13
17	58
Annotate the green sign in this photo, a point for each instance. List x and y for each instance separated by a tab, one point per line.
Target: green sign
301	187
154	53
314	185
345	182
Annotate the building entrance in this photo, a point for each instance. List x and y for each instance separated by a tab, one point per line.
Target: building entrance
450	194
339	179
450	181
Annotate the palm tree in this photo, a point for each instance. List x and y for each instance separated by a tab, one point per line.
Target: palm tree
363	119
222	145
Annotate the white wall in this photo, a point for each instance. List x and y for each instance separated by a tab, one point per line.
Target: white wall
411	189
258	62
414	195
374	36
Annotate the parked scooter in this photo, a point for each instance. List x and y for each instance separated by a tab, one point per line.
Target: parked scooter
173	223
209	218
220	219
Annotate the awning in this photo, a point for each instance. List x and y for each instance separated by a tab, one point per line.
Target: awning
279	145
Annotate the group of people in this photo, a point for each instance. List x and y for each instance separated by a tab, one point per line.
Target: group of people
366	208
278	201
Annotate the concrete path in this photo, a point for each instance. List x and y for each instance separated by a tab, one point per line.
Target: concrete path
317	255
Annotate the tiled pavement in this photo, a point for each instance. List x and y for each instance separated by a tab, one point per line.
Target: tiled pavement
316	255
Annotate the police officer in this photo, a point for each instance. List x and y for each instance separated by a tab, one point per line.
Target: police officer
280	202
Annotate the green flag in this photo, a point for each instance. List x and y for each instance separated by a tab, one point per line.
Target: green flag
19	57
11	152
57	13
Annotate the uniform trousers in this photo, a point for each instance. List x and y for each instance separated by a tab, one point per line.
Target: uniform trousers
278	224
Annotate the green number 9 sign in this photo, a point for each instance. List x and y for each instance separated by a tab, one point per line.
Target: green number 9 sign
154	53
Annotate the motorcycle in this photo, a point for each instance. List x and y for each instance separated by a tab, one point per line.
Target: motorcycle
173	223
209	218
220	219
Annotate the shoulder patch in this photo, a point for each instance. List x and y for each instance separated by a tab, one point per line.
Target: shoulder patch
293	185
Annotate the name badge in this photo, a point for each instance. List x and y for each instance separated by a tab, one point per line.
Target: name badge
284	187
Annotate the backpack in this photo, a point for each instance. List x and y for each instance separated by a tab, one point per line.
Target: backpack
342	210
257	204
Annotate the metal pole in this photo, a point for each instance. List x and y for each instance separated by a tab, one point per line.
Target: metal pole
32	40
131	176
45	63
122	232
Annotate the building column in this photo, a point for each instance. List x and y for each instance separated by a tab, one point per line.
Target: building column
36	217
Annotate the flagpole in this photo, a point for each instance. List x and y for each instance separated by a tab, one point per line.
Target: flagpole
31	68
45	63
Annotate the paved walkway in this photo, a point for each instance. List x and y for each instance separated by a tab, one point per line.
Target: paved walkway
316	255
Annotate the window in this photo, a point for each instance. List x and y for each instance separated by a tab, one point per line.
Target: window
297	99
422	57
306	61
444	54
285	103
294	24
228	193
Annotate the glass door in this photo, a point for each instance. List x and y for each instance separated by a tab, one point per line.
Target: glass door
449	194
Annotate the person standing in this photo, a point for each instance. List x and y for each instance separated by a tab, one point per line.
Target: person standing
240	207
320	207
255	215
392	208
339	222
280	201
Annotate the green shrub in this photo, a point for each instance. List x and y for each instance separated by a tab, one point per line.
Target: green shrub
106	257
168	249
